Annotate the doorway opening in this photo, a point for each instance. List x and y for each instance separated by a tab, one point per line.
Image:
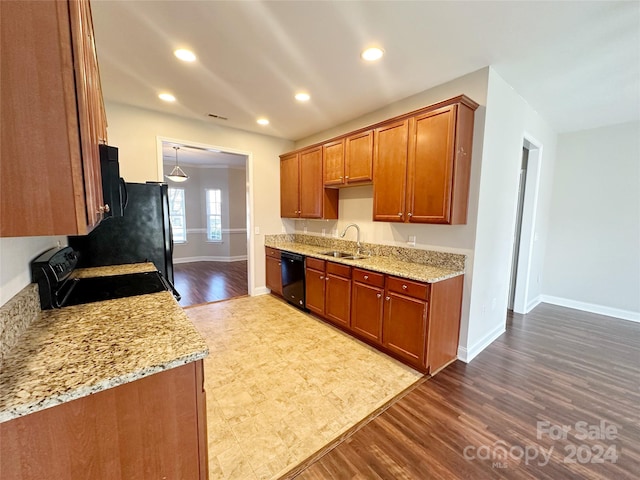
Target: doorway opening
524	234
210	219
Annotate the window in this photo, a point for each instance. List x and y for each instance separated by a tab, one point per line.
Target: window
214	215
176	214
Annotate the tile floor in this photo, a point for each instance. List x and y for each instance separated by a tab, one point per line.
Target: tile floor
280	385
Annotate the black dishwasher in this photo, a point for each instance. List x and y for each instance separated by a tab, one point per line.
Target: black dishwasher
292	266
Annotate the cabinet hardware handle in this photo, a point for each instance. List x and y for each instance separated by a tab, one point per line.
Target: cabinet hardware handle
326	278
399	214
346	177
104	209
107	208
379	295
340	177
410	214
321	277
404	287
279	263
366	277
387	298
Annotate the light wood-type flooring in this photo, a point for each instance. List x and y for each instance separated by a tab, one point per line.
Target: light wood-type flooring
559	384
204	282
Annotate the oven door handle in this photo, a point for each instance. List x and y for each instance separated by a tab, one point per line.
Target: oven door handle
169	286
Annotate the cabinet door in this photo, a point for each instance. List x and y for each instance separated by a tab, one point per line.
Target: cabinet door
359	158
289	187
430	166
333	163
315	290
390	171
273	274
366	311
404	327
338	299
311	186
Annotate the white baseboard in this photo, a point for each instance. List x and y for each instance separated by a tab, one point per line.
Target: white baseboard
260	291
467	355
533	304
239	258
592	308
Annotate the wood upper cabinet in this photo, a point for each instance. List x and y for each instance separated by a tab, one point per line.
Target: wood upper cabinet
359	158
289	186
333	169
273	268
302	193
439	165
349	161
154	427
338	293
52	120
390	171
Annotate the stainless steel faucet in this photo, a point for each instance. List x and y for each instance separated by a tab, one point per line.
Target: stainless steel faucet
357	238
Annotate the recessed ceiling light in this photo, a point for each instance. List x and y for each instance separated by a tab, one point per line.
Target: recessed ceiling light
185	55
302	97
263	121
372	54
167	97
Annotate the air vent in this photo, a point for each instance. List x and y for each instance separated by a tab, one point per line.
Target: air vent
213	115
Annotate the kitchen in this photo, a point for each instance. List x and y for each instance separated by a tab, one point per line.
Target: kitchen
485	239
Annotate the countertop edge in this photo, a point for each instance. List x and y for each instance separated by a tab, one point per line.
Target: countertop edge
84	391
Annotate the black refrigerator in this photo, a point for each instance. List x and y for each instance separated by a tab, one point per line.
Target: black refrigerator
142	234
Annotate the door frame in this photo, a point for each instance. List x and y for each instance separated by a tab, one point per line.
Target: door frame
528	234
249	193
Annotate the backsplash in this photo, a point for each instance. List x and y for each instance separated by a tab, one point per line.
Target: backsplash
15	317
453	261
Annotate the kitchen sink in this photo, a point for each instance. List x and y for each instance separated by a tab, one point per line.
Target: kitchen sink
345	255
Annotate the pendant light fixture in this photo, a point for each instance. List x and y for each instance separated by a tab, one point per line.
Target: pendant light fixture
177	174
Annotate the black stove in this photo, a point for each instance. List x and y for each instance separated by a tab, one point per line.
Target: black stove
52	271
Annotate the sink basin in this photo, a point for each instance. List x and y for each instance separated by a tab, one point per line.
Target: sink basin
345	255
337	254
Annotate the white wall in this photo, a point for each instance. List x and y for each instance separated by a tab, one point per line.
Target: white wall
15	256
134	131
508	119
232	185
593	258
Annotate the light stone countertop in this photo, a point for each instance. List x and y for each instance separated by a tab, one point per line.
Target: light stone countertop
75	351
383	264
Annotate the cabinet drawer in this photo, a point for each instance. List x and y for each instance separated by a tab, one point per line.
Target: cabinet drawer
315	263
340	270
368	277
408	287
272	252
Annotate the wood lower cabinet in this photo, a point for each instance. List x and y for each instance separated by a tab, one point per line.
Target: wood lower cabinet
338	293
52	118
405	327
367	302
273	270
302	192
315	287
154	427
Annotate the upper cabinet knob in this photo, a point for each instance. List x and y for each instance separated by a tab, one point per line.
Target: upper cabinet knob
399	214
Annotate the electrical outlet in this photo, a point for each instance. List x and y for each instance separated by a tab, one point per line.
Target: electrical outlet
324	232
284	230
493	303
412	240
304	229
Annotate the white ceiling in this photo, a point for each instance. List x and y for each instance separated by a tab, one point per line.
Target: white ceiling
576	63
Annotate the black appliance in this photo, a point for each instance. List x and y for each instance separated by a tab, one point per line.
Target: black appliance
142	234
52	271
292	269
114	191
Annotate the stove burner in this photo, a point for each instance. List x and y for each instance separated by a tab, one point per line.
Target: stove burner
96	289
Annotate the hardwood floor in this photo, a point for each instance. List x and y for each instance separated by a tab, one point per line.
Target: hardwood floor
204	282
502	415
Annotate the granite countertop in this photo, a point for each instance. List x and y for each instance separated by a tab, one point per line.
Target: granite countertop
377	263
75	351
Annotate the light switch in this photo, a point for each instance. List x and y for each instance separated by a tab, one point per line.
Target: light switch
257	230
